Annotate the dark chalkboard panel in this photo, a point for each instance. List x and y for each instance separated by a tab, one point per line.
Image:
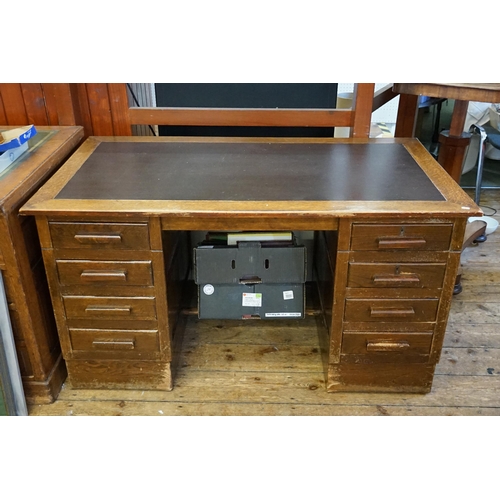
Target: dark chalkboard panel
247	95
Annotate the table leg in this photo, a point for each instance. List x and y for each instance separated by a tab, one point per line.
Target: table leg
454	142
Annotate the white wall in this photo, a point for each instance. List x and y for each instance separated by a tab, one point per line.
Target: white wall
386	113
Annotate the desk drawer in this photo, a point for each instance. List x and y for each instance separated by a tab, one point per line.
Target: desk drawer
384	347
90	272
100	235
109	308
115	343
402	310
396	275
419	237
386	342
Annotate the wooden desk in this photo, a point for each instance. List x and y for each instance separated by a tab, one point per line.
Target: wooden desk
30	309
454	142
388	224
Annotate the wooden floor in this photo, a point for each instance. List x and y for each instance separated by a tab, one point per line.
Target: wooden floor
260	368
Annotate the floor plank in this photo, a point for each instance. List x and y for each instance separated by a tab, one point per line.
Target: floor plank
134	408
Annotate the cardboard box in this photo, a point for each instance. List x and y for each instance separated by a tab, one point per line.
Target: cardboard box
250	281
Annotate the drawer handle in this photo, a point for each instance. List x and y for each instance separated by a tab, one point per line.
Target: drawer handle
389	312
103	276
98	238
250	280
115	344
392	279
108	309
387	346
389	243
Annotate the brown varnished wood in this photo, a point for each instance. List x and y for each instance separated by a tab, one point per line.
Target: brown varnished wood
125	374
445	305
166	310
399	310
42	367
87	272
81	101
401	236
100	236
362	105
3	116
367	275
386	377
13	104
483	92
100	108
458	117
64	103
379	347
241	117
50	103
114	343
119	109
34	100
407	116
109	308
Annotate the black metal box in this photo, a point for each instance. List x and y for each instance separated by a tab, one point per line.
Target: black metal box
250	280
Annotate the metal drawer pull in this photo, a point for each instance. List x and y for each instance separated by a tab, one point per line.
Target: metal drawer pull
103	276
118	344
389	243
387	346
98	238
392	279
388	312
108	309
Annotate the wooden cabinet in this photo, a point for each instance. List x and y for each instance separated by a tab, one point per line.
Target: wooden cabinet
42	366
396	282
107	277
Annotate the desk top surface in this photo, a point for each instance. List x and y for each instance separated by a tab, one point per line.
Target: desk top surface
250	172
159	175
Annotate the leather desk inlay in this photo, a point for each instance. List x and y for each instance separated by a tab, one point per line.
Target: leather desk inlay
250	172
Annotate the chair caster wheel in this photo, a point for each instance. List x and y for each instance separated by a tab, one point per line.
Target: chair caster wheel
457	289
481	239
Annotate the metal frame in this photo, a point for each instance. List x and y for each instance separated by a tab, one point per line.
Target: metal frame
10	376
483	140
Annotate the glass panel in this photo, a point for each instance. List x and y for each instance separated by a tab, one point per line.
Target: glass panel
37	140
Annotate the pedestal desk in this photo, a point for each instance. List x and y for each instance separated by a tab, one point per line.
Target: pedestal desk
388	222
30	309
